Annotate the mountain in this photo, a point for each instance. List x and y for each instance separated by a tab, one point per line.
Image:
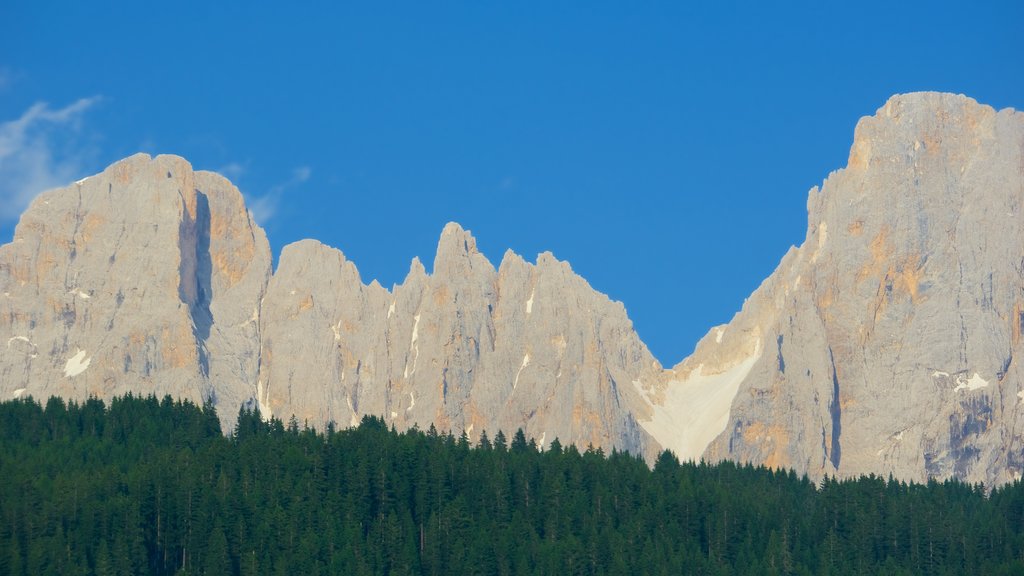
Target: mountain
145	278
153	278
885	343
890	340
468	347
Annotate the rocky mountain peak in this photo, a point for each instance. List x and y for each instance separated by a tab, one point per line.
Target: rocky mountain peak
417	271
888	342
457	254
146	277
927	126
889	334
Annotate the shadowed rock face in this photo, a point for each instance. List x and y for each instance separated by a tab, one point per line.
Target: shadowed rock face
885	343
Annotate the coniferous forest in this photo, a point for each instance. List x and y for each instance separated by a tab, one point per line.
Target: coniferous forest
148	486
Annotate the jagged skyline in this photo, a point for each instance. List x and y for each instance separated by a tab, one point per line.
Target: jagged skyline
883	344
664	152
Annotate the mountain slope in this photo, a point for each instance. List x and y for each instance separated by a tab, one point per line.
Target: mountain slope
467	347
153	278
885	343
143	278
890	341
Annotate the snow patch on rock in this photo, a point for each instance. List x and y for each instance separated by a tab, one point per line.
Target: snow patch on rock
894	440
76	364
18	393
529	303
18	339
413	347
695	410
263	401
353	421
526	362
973	383
30	353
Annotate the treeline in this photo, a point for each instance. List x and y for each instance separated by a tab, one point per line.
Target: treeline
148	486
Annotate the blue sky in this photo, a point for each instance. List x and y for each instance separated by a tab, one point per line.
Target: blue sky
664	149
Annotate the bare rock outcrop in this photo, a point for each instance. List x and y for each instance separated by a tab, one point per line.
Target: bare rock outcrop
152	278
889	342
466	348
146	278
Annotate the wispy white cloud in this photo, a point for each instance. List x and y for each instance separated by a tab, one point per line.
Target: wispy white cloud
149	146
301	174
232	171
40	150
264	207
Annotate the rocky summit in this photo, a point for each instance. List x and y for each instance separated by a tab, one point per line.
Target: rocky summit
153	278
889	342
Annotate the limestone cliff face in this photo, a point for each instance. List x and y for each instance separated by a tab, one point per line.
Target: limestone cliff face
890	341
153	278
467	348
145	278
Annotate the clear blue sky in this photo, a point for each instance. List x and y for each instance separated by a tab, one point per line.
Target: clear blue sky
664	149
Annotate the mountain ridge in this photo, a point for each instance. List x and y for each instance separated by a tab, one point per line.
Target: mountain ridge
470	346
859	314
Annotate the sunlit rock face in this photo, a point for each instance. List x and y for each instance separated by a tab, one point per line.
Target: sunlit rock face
888	342
153	278
146	278
467	348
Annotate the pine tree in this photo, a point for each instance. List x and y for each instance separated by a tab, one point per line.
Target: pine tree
500	444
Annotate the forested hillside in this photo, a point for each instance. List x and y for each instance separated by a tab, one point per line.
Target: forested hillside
148	486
